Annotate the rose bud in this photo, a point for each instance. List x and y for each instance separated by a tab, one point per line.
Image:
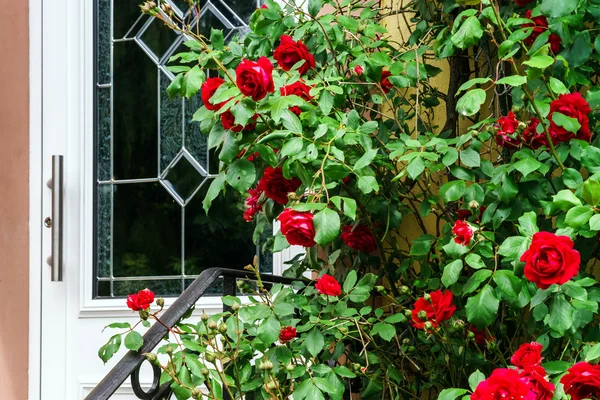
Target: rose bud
290	367
151	357
404	289
210	357
428	325
160	302
204	316
205	371
223	328
212	325
427	297
196	393
422	315
236	307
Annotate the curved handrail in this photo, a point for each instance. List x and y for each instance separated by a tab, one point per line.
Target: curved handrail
133	359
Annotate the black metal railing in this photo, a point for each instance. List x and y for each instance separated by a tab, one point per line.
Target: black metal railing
130	364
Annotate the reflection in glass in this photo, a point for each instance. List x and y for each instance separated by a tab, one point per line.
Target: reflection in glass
171	124
183	178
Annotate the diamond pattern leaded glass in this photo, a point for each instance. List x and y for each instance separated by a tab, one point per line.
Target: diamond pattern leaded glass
152	163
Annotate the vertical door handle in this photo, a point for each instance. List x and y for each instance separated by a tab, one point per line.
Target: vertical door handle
56	222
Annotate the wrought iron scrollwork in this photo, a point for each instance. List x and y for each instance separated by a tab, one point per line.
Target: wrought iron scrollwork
156	391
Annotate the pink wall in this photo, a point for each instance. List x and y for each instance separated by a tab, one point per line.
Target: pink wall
14	198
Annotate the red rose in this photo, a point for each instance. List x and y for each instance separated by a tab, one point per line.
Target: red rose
358	70
252	205
209	87
288	53
550	259
463	232
297	227
299	89
255	79
141	300
538	383
359	238
527	356
532	138
386	85
582	381
522	3
275	186
328	285
572	105
265	6
286	334
507	126
436	310
228	121
464	215
540	25
504	383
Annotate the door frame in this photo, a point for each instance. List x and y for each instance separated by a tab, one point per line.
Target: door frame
77	45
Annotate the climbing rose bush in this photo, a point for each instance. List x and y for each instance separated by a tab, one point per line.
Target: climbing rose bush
439	162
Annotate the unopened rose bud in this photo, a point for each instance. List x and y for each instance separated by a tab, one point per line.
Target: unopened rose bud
343	330
223	328
474	133
204	371
240	284
428	325
204	316
427	297
491	345
356	366
380	289
268	365
160	302
459	323
406	341
212	325
236	307
404	289
522	125
144	314
166	8
271	385
210	357
196	393
473	204
408	313
169	350
471	335
358	70
151	357
223	339
290	367
148	7
422	315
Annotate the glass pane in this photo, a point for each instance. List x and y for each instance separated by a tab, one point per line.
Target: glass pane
205	245
103	41
127	13
158	37
195	142
104	228
183	178
164	287
103	114
171	124
147	231
135	113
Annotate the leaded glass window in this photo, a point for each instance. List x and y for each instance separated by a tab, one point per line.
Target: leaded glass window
152	163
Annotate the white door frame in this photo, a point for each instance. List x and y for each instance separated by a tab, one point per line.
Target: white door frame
73	42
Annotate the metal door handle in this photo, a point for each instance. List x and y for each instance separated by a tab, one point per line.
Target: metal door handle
56	222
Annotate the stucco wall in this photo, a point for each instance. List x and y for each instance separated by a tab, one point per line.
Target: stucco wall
14	199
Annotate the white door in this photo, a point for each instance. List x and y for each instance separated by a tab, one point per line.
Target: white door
135	169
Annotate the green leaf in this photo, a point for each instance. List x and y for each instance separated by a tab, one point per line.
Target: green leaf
590	191
508	283
558	8
556	367
118	325
230	148
468	34
269	329
349	23
194	366
345	205
367	184
216	38
475	378
471	102
133	341
578	216
572	178
366	159
540	61
570	124
565	199
477	279
291	121
528	224
368	127
593	353
415	167
385	331
452	273
241	175
350	281
470	158
514	80
482	308
314	342
561	314
474	261
453	190
451	394
326	102
193	80
595	222
527	165
216	186
292	147
344	372
511	247
327	226
110	348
